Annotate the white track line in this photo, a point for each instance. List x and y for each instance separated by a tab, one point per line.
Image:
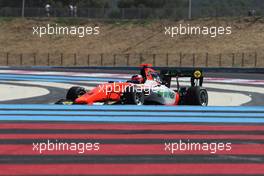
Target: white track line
227	99
49	84
13	92
240	88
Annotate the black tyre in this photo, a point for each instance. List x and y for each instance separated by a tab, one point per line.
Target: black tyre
196	96
74	93
133	97
64	102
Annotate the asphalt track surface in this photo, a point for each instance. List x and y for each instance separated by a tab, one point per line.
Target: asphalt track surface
57	92
132	139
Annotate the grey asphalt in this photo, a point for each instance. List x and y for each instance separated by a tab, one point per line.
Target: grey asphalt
58	93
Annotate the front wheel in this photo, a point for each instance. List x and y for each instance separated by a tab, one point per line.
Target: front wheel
75	92
64	102
196	96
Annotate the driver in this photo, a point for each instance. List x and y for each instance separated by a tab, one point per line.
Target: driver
138	79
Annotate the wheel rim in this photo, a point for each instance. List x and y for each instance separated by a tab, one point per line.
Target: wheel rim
138	99
203	98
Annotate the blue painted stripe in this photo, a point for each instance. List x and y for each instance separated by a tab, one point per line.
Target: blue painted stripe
67	78
162	114
244	109
132	119
38	80
51	80
137	113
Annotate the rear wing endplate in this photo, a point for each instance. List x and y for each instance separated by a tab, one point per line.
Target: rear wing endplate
196	76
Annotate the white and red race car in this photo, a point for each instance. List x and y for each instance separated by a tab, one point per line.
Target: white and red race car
148	87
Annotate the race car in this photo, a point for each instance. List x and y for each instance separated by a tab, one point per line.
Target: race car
150	87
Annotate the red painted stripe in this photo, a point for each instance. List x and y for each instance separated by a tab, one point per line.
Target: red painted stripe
131	136
130	169
181	127
133	149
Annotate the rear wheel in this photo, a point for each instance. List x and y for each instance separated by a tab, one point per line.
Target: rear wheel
75	92
196	96
133	97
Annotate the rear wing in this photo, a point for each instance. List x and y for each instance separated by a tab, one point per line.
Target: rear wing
196	76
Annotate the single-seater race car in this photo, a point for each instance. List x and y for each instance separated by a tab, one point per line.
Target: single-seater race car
150	87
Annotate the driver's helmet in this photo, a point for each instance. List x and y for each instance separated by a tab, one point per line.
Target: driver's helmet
138	79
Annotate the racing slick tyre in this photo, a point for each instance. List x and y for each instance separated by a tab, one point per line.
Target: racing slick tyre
64	102
133	97
74	93
197	96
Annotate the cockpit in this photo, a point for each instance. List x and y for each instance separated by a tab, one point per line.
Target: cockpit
156	77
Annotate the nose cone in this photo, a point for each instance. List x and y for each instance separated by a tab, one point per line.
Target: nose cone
81	100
